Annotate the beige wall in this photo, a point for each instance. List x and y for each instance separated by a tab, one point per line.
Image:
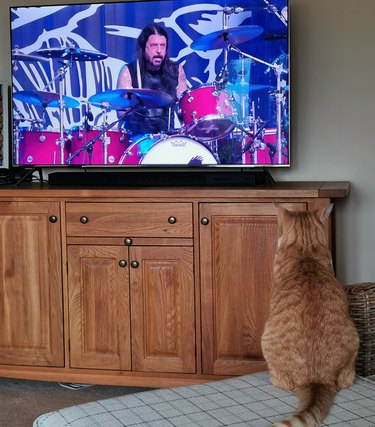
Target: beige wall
332	114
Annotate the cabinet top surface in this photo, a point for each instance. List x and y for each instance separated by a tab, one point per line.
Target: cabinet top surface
290	189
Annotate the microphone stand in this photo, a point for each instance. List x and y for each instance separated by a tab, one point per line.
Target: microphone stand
278	68
88	146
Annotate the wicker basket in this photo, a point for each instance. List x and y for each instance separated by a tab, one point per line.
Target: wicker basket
361	297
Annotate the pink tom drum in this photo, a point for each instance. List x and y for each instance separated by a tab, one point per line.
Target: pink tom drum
115	143
41	148
207	112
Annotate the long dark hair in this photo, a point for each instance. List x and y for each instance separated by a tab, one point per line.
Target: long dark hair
167	69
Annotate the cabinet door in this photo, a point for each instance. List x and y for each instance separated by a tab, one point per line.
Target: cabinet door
162	315
30	284
98	282
237	248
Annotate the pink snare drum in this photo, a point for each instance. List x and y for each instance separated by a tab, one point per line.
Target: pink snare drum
41	148
207	112
115	143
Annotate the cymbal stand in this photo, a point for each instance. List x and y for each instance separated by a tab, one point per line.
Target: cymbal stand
279	70
61	73
104	138
223	73
17	139
273	9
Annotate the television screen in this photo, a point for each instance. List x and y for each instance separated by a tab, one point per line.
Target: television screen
151	83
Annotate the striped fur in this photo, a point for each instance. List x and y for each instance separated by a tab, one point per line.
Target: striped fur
309	341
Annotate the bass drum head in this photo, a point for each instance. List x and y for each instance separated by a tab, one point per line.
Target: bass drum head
178	150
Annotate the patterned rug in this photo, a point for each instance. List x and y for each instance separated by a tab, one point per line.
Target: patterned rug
246	401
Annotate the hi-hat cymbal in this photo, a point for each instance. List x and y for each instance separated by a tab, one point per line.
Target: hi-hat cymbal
223	38
126	98
17	55
45	99
72	53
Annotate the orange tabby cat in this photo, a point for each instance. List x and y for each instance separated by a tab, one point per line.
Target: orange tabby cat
309	341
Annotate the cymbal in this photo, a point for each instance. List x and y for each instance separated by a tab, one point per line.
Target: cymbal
44	99
126	98
72	53
246	87
222	38
17	55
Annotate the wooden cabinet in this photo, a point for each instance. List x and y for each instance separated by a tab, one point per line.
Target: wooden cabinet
131	305
30	284
141	287
99	310
162	309
238	241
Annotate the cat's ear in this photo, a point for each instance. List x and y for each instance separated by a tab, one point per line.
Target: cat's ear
324	213
280	210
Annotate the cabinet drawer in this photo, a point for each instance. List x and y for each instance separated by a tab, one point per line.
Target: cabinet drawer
129	219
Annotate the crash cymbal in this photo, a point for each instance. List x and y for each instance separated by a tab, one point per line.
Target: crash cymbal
222	38
126	98
17	55
44	99
72	54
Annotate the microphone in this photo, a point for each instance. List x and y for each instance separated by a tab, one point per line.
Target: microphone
220	74
228	10
90	116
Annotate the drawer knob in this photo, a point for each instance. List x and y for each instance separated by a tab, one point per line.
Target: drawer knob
53	219
172	220
134	264
128	241
84	220
122	263
204	221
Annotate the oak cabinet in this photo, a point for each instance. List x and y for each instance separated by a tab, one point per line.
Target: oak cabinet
153	287
31	284
99	311
238	241
162	309
131	305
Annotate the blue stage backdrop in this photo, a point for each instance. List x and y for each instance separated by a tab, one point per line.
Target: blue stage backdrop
112	29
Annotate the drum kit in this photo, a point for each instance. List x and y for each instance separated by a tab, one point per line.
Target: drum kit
216	126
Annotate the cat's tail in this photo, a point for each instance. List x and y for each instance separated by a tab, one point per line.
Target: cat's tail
314	403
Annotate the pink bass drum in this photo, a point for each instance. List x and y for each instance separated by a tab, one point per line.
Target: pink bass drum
178	150
206	112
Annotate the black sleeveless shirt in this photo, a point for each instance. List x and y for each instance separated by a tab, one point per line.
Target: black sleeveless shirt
143	121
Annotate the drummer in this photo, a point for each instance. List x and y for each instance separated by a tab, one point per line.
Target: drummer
152	69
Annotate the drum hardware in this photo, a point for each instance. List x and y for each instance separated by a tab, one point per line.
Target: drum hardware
279	71
17	55
105	127
283	16
123	100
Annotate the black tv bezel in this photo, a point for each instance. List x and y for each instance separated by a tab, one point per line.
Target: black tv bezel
235	169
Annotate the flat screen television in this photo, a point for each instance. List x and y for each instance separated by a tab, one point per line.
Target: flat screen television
68	112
